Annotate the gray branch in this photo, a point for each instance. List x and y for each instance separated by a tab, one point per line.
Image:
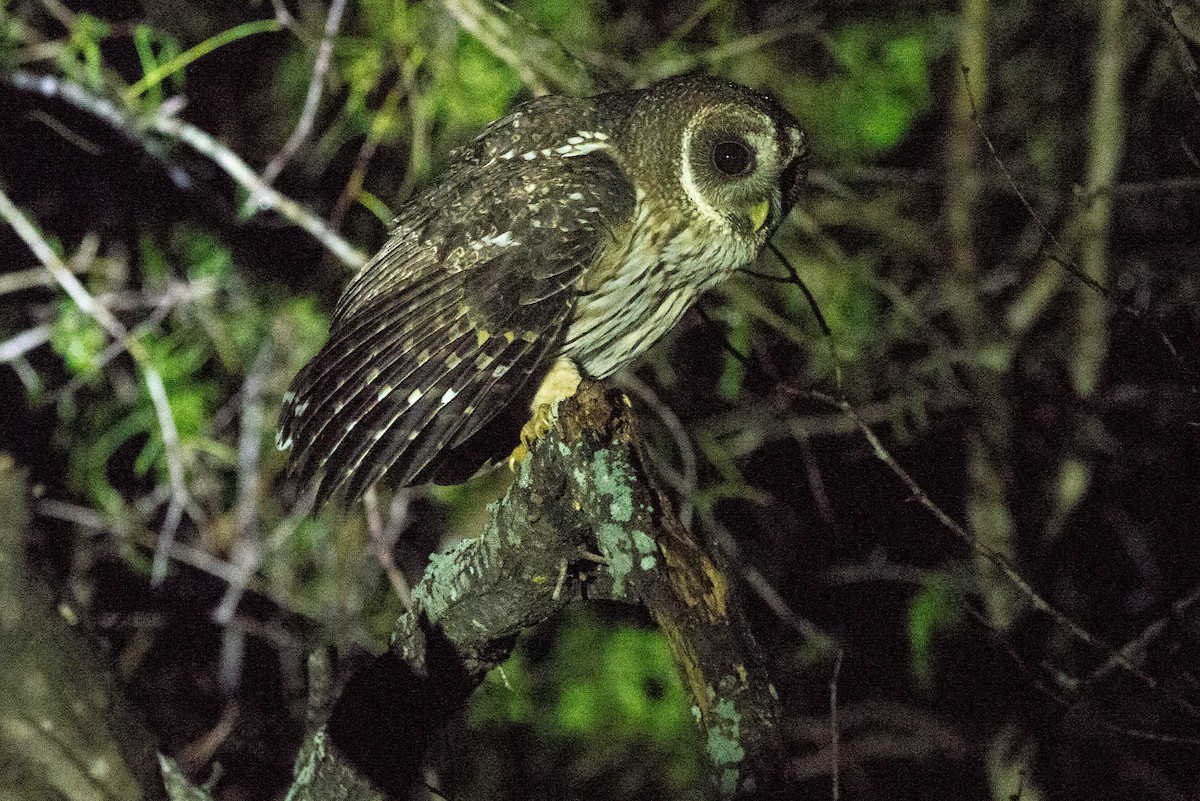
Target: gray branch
584	505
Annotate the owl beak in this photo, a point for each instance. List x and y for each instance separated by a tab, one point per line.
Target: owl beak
759	213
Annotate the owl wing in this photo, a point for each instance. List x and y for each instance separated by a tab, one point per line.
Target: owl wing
469	298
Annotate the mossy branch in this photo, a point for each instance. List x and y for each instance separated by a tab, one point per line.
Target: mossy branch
582	517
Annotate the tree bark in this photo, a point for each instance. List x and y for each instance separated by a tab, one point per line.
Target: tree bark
582	518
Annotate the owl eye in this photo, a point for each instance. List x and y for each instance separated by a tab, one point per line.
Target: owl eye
733	158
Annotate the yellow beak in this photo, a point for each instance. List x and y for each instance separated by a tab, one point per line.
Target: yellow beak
759	213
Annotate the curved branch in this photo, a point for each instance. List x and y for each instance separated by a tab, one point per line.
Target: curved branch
584	491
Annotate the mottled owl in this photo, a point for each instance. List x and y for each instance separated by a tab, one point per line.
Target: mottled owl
561	244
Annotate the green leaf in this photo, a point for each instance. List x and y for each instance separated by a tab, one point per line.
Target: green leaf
733	374
175	65
880	86
81	60
934	611
78	339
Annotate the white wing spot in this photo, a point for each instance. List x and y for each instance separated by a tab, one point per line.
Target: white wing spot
414	396
586	147
500	371
508	155
575	196
449	395
503	240
300	409
383	392
530	156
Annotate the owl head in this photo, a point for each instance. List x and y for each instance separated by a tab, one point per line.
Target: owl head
714	151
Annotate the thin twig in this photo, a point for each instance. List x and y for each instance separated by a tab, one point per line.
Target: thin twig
762	587
1139	644
61	274
154	383
992	556
250	430
1060	255
352	191
172	127
56	9
268	198
247	549
383	549
1070	685
686	486
18	345
312	100
834	730
179	497
539	60
1160	12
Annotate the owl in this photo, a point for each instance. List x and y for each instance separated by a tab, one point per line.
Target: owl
561	244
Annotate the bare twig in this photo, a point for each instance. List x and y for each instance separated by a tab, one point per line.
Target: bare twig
541	62
834	729
56	9
18	345
1160	12
354	184
179	495
383	544
312	100
250	430
176	294
762	587
61	274
170	126
154	383
1060	255
686	483
247	548
268	198
1136	648
992	556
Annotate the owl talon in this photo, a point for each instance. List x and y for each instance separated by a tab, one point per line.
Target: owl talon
517	456
531	432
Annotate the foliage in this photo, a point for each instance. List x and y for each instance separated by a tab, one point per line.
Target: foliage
598	700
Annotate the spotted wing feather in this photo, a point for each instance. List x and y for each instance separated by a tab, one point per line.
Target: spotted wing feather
470	297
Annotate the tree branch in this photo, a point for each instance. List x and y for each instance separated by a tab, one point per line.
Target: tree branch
584	496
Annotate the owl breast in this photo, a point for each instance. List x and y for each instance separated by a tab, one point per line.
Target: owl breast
652	279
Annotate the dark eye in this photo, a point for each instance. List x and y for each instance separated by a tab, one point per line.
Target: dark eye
733	158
